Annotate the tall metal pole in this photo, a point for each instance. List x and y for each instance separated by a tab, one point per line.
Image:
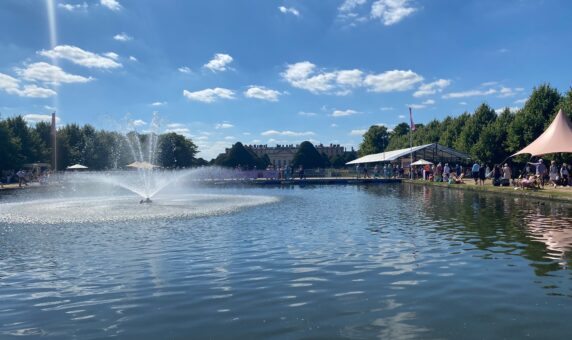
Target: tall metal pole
411	128
54	145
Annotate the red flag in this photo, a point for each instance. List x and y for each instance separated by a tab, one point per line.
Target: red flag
412	125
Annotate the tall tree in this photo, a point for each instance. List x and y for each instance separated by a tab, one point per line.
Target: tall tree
375	140
307	156
176	151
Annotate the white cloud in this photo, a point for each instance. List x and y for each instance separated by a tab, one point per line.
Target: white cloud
73	8
287	133
416	106
34	91
11	85
401	116
350	5
521	101
49	74
113	5
432	88
176	126
428	102
390	81
343	113
8	83
179	128
224	125
158	103
308	114
139	122
351	78
122	37
132	58
334	125
219	62
209	95
263	93
512	109
111	55
80	57
470	93
298	75
184	69
489	83
290	10
358	132
229	137
35	118
509	92
386	108
391	11
463	103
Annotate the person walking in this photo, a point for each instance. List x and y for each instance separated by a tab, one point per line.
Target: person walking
475	172
564	174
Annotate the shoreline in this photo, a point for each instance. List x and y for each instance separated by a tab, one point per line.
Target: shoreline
551	194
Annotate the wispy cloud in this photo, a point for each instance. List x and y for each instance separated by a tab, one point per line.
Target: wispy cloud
470	93
287	133
209	95
73	7
224	125
358	132
289	10
344	113
184	69
113	5
307	114
432	88
122	37
49	73
260	92
391	12
80	57
36	118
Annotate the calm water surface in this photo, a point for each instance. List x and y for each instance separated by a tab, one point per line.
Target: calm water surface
392	261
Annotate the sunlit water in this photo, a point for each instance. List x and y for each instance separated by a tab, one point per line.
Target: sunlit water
391	261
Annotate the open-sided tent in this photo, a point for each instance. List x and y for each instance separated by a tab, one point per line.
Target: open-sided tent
76	167
421	162
557	138
435	152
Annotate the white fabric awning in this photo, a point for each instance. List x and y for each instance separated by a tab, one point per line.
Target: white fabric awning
421	162
439	151
76	167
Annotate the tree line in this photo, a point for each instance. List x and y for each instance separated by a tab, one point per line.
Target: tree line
487	136
22	144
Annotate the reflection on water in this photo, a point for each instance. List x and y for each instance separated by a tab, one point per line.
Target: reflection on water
392	261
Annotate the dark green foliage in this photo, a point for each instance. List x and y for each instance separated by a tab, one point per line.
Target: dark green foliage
239	155
308	157
97	149
176	151
375	140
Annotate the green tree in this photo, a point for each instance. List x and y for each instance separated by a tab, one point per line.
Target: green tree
375	140
30	144
239	155
9	149
483	116
176	151
533	118
308	157
491	145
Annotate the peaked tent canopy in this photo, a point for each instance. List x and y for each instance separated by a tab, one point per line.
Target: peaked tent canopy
76	167
557	138
435	152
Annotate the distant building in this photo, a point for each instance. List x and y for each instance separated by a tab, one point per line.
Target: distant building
282	155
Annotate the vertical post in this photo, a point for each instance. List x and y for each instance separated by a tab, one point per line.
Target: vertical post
411	129
54	148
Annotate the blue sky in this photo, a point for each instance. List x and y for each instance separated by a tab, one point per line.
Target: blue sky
263	71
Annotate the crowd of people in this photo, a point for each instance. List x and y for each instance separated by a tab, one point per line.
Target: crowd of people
385	171
533	175
23	177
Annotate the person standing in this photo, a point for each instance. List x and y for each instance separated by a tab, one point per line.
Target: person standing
564	174
482	174
553	174
541	171
507	173
475	172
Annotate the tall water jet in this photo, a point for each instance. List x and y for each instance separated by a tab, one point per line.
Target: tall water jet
52	24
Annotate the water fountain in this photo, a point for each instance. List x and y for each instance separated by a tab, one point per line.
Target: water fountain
126	195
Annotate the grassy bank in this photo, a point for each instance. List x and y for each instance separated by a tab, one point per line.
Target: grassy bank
562	194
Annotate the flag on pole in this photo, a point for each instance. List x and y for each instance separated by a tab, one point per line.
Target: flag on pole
412	125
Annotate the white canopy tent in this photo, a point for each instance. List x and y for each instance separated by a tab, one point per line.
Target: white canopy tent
434	152
556	138
422	162
77	167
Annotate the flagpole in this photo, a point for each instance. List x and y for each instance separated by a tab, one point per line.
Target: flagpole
54	143
411	145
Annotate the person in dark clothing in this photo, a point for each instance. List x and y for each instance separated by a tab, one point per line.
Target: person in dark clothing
482	174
